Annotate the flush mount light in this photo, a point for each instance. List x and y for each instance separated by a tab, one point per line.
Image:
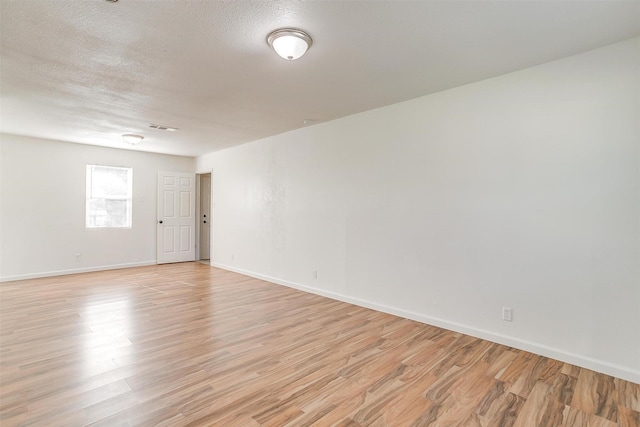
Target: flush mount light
132	139
289	43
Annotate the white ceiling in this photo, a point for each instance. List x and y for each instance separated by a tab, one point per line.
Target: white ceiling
88	71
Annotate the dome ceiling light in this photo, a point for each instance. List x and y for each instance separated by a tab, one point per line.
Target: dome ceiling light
132	139
289	43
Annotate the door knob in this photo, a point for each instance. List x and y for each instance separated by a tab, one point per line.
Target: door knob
205	222
160	221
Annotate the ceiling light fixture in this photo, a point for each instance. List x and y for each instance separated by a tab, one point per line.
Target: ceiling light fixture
132	139
289	43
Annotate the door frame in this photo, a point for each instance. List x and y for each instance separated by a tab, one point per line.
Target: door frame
199	213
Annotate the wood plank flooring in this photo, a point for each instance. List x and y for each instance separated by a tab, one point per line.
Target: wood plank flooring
192	345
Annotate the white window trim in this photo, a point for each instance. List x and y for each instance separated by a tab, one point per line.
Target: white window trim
89	197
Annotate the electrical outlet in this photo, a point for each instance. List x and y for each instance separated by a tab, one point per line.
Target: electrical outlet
77	257
233	257
315	274
507	314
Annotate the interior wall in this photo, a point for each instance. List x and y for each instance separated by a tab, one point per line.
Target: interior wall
520	191
42	216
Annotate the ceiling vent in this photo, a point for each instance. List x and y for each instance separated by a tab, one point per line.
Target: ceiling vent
160	127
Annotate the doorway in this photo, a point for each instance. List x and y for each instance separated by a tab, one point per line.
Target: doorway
204	217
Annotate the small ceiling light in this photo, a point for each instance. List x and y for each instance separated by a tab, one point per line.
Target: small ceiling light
289	43
132	139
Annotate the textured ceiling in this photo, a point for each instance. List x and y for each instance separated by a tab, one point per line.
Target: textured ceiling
89	71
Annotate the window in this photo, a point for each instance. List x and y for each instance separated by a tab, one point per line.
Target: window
109	196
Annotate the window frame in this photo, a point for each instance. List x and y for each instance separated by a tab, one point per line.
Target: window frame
89	197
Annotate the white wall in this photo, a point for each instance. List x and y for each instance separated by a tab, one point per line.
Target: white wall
519	191
42	215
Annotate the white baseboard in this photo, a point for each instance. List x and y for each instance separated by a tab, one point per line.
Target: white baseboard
74	271
601	366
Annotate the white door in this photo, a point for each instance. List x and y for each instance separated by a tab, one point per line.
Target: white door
176	240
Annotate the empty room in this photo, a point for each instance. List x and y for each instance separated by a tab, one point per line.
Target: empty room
320	213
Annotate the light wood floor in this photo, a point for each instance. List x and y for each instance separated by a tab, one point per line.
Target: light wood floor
191	345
